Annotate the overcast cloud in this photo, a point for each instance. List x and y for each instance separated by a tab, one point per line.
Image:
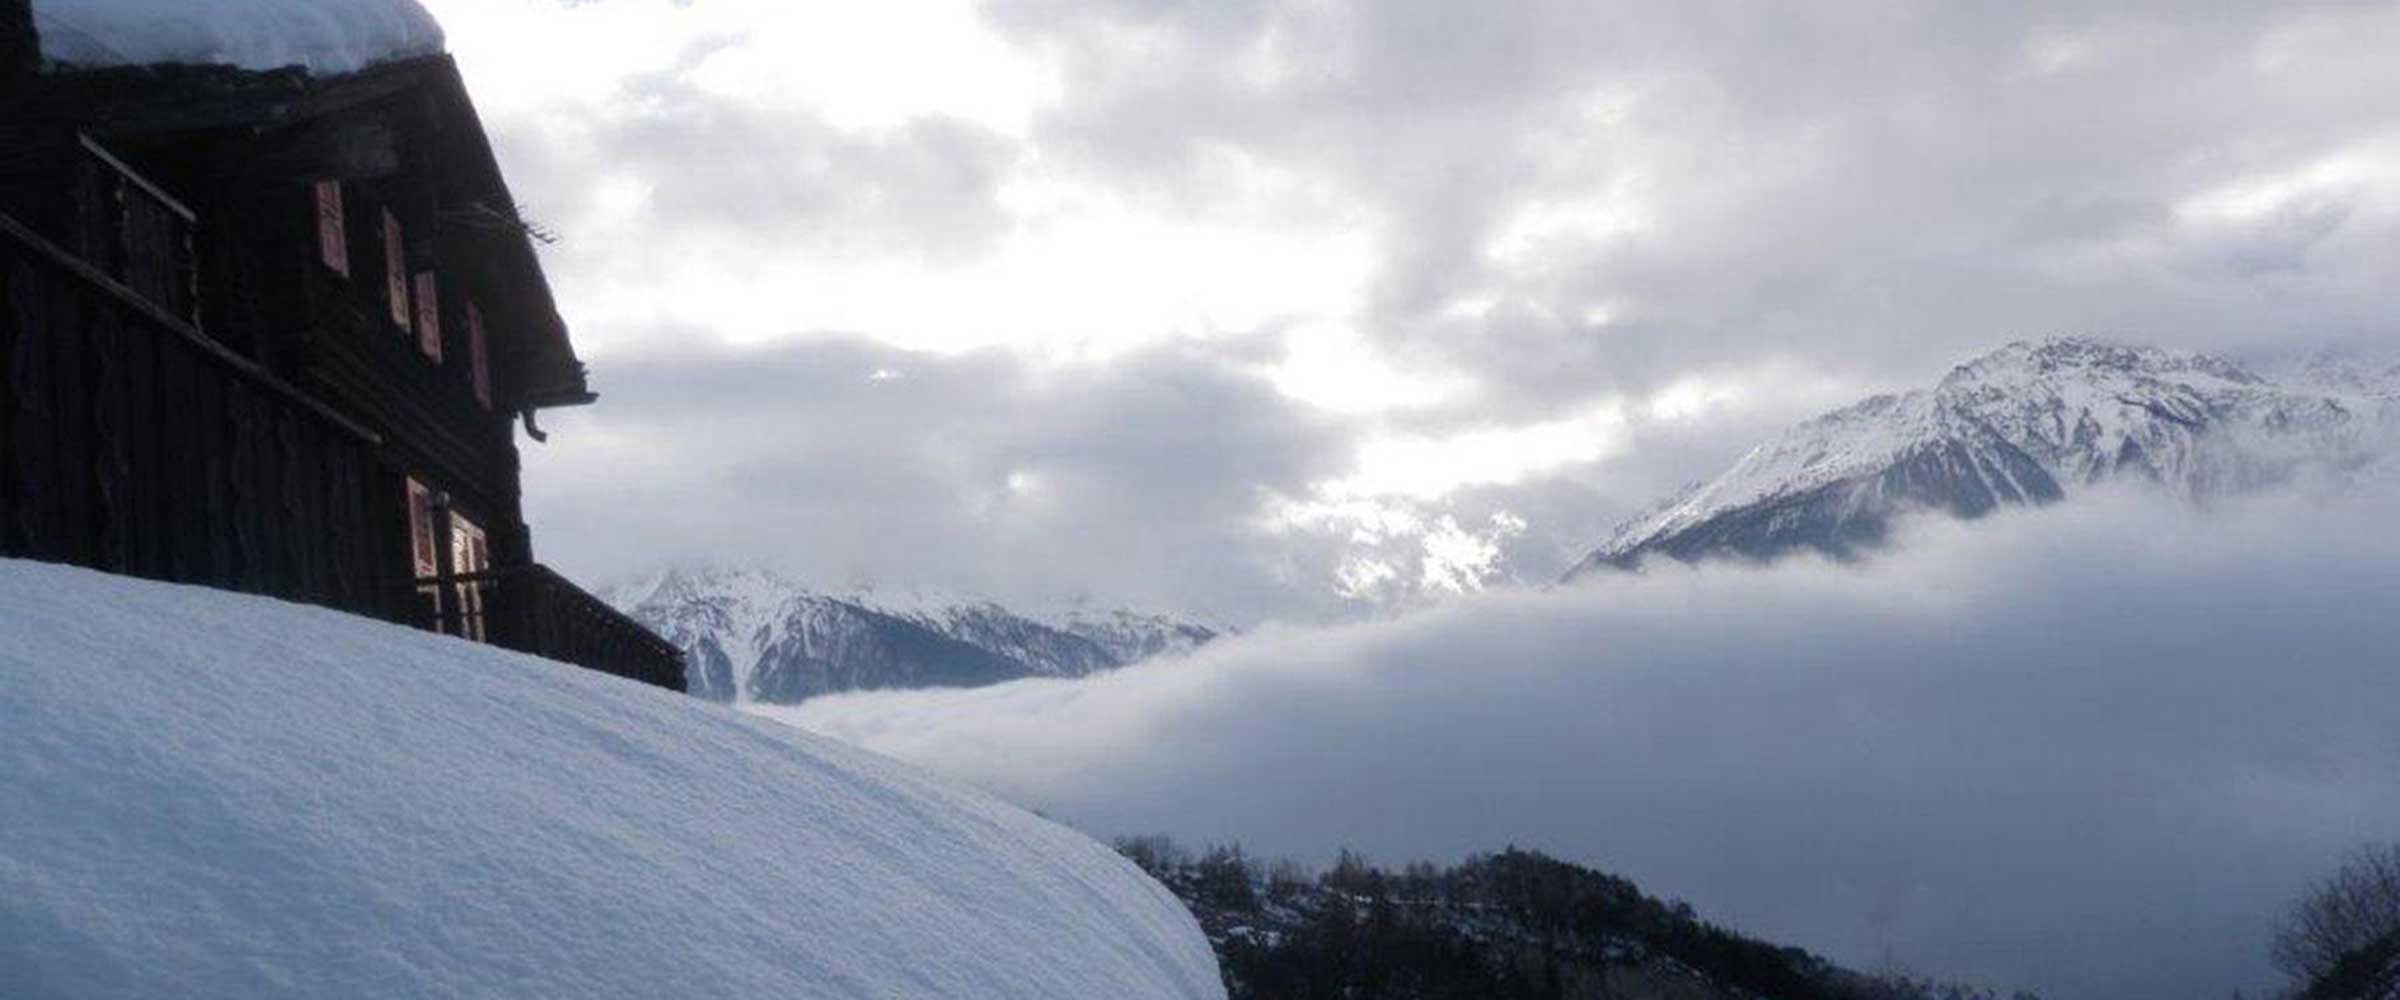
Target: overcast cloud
1297	310
1494	275
2092	750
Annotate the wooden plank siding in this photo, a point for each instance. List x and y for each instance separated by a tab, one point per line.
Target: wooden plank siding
217	367
132	443
135	445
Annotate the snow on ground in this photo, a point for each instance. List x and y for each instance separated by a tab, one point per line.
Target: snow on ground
209	795
326	36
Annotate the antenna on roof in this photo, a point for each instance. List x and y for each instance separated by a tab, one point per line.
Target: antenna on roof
480	215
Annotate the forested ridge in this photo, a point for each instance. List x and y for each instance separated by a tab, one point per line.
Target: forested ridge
1516	925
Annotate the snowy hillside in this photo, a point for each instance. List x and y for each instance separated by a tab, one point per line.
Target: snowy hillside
2030	423
750	635
325	36
212	795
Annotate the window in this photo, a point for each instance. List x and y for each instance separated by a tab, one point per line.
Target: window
395	269
333	235
429	317
477	356
470	554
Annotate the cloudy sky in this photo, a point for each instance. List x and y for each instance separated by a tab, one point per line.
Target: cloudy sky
1239	307
1300	310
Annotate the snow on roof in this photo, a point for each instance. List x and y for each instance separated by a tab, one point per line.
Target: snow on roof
326	36
213	795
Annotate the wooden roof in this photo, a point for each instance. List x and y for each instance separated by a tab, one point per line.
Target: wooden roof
287	125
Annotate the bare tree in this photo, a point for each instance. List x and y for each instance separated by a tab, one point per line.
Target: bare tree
2344	936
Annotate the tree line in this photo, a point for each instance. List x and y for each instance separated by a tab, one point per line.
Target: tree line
1515	925
1518	925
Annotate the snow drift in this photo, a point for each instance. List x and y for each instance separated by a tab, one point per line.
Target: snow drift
326	36
209	795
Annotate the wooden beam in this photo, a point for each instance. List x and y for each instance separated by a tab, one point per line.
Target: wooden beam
266	380
346	149
135	177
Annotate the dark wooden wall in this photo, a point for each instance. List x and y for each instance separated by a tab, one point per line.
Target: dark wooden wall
20	48
131	443
188	394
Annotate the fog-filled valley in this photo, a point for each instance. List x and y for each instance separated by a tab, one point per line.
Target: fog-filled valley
2091	750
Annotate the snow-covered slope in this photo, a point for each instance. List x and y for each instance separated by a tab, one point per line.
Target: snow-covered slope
750	635
2030	423
325	36
210	795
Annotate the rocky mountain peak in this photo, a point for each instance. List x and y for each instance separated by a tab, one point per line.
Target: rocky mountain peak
2027	424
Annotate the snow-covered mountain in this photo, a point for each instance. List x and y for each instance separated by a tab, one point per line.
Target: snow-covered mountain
212	795
2031	423
751	635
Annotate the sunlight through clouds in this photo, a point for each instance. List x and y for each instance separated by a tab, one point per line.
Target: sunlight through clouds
2368	173
1549	262
1335	368
1024	251
862	65
1428	466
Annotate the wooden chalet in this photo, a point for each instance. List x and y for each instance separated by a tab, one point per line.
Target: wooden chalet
274	333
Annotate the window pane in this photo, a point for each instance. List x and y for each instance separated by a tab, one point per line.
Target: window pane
420	548
469	555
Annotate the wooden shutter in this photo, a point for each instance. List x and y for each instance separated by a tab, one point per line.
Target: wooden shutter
420	529
333	234
395	269
478	356
429	317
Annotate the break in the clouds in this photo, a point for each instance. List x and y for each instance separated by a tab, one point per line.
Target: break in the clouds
1526	265
2091	750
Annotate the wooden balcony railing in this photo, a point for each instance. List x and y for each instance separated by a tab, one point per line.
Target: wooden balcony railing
534	610
132	443
134	231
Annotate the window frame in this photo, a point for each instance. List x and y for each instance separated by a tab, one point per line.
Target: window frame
470	553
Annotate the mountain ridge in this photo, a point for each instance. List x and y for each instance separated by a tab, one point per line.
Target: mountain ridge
750	635
2025	425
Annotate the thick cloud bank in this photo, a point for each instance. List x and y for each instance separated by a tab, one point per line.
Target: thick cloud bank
2090	751
1463	278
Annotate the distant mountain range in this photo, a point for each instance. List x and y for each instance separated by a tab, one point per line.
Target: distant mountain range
751	635
2031	423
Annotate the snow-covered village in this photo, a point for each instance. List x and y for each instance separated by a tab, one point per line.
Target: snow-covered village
1200	500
